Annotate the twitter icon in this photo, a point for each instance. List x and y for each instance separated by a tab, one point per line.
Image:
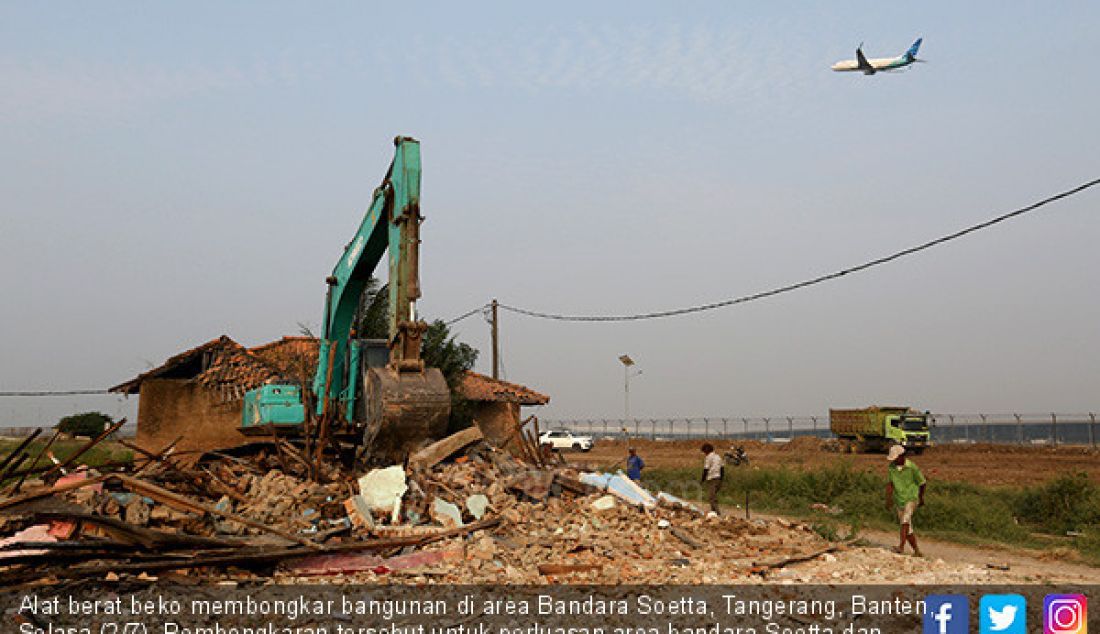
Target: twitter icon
1002	614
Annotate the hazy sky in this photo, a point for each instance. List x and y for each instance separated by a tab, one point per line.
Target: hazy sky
170	173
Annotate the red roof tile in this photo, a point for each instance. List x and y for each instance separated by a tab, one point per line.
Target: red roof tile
219	362
294	357
478	387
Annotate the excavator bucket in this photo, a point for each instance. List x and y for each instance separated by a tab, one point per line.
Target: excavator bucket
405	411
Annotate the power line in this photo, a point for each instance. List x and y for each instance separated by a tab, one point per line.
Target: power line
55	393
466	314
806	283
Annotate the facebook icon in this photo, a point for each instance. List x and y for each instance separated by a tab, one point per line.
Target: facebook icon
946	614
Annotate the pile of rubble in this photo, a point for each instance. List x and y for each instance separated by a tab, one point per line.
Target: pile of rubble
458	511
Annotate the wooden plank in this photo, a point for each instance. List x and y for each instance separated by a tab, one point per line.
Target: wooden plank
434	453
91	443
144	537
15	452
48	491
253	557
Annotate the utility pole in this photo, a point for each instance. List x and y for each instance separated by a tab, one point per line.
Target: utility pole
496	341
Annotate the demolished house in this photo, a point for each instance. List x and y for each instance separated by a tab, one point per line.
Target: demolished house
496	405
461	511
196	396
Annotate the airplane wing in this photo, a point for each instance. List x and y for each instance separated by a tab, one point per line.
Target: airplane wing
861	60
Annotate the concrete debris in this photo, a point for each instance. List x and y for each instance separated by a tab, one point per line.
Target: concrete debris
381	488
137	512
605	503
477	505
668	500
477	515
620	486
446	513
359	512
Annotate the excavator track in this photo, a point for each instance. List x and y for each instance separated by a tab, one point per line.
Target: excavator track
405	411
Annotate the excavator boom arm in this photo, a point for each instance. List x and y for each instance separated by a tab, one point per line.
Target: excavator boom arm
391	223
404	404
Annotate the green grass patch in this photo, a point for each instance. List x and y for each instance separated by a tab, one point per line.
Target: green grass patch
1033	517
106	452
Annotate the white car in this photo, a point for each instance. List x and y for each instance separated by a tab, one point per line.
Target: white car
564	439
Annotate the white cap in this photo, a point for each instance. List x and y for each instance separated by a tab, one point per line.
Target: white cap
895	452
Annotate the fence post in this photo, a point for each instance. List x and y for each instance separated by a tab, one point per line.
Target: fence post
706	428
1092	429
954	432
1019	430
814	419
988	432
671	429
746	421
790	428
637	427
605	427
767	430
1053	429
726	428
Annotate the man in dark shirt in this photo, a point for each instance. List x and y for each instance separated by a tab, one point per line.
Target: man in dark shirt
634	465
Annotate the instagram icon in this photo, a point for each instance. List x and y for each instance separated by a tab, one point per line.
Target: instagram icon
1065	614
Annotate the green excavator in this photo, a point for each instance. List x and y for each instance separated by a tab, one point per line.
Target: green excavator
390	404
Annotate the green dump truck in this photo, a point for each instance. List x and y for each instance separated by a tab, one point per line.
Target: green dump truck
876	428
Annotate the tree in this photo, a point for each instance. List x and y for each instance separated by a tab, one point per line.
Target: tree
86	424
372	319
439	349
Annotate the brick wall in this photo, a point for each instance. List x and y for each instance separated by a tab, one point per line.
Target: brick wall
170	408
498	422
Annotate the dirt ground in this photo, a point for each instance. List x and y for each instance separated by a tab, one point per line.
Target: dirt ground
997	465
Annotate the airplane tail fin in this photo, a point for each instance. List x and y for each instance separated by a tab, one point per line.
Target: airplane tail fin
912	52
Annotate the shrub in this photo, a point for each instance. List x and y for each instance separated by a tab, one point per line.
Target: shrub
86	424
1067	503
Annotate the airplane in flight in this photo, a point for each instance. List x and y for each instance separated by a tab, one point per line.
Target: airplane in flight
872	66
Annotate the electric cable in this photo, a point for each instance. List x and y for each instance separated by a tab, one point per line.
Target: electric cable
466	314
806	283
55	393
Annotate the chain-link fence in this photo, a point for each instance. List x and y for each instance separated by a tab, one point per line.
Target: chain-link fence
1022	429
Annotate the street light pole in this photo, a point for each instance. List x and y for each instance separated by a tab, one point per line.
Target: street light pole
627	364
626	392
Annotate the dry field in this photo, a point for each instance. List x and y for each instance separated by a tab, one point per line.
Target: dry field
991	465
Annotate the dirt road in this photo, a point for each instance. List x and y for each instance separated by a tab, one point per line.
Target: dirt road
943	562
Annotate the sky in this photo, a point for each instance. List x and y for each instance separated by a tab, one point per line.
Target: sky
172	172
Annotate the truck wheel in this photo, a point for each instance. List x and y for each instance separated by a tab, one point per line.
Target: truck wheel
576	446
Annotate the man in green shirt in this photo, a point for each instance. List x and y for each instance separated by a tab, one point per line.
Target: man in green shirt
904	493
